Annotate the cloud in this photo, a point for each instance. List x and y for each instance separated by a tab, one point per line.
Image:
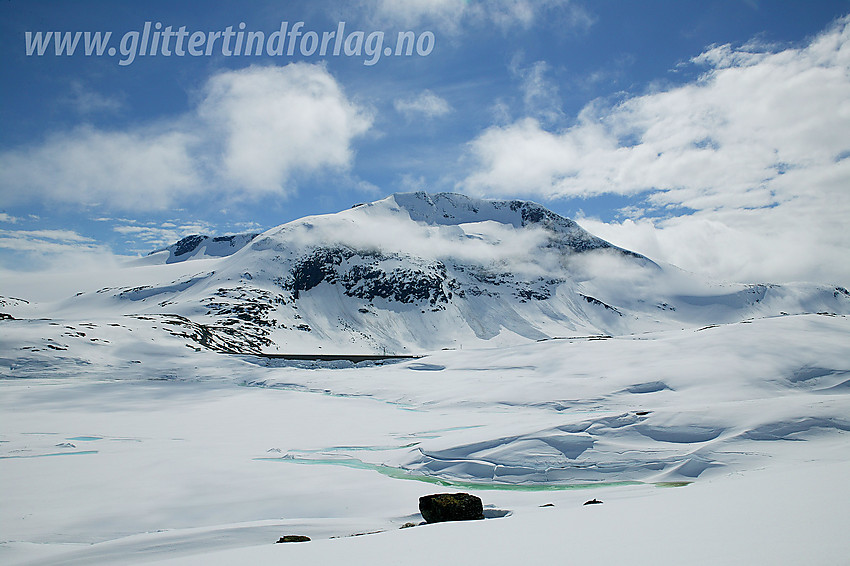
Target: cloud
411	13
541	98
252	133
781	244
280	121
41	247
425	104
148	236
9	219
485	243
64	258
756	148
508	13
522	157
87	101
67	236
128	170
748	120
152	236
451	15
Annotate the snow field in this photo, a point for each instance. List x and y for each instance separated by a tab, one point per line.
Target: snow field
187	452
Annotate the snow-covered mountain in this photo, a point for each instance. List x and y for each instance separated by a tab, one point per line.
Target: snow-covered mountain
122	444
419	272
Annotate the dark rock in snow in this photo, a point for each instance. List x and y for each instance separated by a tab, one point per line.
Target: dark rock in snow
219	246
188	244
593	501
293	538
442	507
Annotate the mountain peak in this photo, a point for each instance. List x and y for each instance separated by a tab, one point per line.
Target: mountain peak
442	226
455	208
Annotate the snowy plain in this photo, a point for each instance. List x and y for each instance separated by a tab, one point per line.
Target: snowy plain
188	453
122	442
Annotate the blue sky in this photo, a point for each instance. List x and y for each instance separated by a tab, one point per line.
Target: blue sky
709	134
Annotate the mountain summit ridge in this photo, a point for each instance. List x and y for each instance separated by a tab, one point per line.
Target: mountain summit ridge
455	210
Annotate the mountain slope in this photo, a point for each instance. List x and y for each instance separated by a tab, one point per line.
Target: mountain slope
416	272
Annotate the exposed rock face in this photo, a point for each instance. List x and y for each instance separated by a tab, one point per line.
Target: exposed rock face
442	507
368	275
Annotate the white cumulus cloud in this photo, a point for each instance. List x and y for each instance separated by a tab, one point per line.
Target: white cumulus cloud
756	148
253	131
141	169
425	104
279	121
